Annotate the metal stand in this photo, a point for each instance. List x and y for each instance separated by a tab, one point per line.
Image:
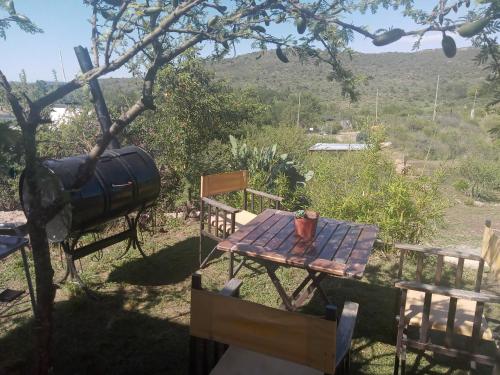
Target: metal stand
28	279
73	253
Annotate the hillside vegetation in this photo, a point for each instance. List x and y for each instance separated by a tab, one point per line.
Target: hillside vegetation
400	77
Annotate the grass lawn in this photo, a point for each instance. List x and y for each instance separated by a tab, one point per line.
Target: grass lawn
139	324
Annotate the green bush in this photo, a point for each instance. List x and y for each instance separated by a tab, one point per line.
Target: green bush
271	172
461	185
482	176
364	187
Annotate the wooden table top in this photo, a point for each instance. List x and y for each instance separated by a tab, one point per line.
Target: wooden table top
339	248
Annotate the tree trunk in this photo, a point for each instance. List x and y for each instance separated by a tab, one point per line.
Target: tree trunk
44	274
45	294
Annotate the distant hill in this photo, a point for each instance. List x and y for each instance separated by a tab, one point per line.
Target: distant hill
400	77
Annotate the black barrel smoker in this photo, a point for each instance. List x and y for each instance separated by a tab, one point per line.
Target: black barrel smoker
126	180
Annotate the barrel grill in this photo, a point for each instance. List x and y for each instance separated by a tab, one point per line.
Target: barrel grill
124	181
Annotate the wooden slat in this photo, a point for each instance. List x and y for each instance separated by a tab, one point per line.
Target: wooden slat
449	292
356	263
327	266
223	183
295	337
479	276
345	329
243	231
266	195
476	327
450	320
287	231
300	247
220	205
450	352
439	270
321	239
347	245
261	230
272	232
334	242
420	267
439	251
459	273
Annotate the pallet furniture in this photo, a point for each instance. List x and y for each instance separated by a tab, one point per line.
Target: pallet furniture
218	220
339	249
8	246
446	317
233	336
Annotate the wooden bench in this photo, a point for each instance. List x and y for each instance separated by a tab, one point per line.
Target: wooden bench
234	336
218	220
454	311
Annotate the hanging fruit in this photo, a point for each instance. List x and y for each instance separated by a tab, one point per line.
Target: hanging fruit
281	55
470	29
301	24
449	46
388	37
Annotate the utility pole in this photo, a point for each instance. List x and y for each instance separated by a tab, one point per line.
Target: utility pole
298	113
62	66
472	112
435	100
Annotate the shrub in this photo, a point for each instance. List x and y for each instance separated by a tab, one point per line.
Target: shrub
482	176
461	185
272	172
363	187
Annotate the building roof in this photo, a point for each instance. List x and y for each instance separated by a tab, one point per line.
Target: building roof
338	147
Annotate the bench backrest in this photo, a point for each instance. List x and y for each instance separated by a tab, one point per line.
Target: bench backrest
299	338
223	183
491	250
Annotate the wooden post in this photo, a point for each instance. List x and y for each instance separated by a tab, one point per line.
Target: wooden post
82	54
298	113
435	100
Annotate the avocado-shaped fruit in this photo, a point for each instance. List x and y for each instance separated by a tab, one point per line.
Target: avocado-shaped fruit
281	55
213	21
388	37
301	24
449	46
258	28
107	14
152	10
470	29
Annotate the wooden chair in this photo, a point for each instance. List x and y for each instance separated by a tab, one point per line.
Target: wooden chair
218	220
452	315
233	336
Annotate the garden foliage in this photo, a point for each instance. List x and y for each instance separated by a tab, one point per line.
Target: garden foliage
364	187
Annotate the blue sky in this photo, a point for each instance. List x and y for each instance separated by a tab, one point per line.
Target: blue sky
65	25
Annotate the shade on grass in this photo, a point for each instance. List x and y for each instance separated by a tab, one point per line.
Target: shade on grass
140	322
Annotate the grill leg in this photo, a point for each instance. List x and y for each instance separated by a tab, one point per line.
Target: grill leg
66	250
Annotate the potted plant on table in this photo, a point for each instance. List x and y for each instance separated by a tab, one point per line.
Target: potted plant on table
305	224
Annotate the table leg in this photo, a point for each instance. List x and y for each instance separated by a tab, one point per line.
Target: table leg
316	280
28	278
311	288
287	301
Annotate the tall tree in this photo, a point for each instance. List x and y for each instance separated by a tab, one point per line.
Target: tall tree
148	34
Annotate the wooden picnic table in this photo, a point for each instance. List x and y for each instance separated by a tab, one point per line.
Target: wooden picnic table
339	248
